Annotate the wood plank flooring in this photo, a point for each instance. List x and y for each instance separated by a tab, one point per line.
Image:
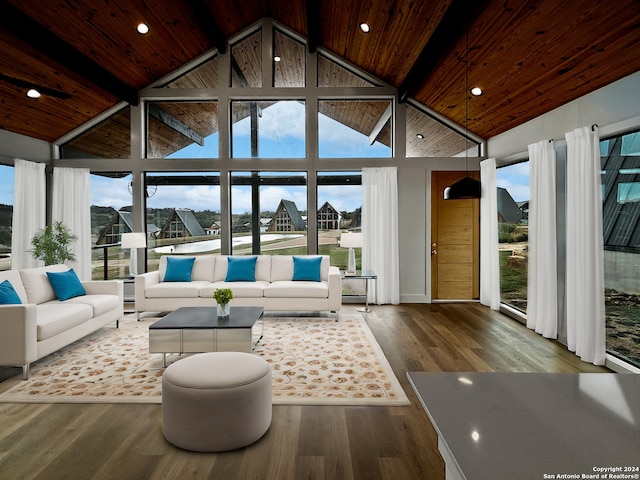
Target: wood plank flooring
120	441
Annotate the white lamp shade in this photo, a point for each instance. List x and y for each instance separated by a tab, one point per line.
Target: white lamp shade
351	240
133	240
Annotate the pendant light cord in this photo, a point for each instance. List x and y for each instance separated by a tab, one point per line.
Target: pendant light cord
466	103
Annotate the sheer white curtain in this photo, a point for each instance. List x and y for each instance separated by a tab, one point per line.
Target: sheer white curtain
380	232
29	211
585	271
489	257
542	283
71	205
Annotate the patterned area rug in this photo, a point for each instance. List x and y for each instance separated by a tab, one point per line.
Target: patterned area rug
314	361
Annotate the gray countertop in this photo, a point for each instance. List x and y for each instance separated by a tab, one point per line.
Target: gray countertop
535	425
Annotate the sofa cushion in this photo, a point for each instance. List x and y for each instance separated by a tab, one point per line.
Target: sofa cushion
175	289
99	303
306	269
239	289
66	285
296	289
241	269
56	317
13	276
178	269
36	283
203	267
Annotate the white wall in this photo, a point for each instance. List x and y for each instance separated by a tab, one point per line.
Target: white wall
14	145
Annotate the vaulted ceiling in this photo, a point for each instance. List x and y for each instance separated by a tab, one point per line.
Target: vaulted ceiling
529	56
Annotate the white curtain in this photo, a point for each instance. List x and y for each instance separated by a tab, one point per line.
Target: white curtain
71	205
380	232
585	272
542	283
489	257
29	211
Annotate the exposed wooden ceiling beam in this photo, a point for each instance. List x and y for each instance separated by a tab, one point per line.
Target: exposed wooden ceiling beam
382	121
454	24
172	122
314	37
208	23
41	88
29	31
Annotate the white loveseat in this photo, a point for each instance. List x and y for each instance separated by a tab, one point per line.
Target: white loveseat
273	288
43	324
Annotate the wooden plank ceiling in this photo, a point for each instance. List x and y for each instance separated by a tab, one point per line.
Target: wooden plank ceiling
529	56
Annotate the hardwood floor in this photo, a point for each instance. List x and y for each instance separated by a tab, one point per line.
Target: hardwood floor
121	441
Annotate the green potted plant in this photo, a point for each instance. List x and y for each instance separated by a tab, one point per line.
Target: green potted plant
223	296
51	244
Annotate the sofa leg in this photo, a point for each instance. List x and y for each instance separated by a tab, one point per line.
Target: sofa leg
25	371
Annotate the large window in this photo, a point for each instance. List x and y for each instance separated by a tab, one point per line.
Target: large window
183	214
620	159
268	129
110	218
339	211
354	128
513	208
269	213
182	129
6	214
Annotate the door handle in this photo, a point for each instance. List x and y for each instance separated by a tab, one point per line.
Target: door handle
434	252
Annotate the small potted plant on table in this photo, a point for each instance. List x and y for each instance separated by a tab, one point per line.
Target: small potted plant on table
223	296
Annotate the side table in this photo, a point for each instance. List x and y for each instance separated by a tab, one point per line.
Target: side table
365	275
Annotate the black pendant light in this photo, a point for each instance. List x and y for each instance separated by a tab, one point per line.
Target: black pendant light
467	187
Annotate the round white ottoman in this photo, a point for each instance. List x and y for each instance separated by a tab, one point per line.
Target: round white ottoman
213	402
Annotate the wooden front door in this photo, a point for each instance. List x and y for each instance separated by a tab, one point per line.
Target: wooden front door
455	242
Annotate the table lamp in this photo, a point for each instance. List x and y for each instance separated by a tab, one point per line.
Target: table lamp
351	240
133	241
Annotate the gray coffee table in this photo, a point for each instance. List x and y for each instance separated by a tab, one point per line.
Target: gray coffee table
199	330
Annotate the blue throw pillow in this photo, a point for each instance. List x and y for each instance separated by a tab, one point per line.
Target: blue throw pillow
179	269
66	285
241	269
306	269
8	294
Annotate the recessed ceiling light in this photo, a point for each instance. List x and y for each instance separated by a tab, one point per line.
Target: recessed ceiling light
33	93
277	58
364	26
477	91
142	28
419	135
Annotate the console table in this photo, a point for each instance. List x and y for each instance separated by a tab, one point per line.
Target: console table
534	425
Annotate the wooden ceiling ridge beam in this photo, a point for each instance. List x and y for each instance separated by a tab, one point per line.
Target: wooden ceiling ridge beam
454	24
314	35
31	32
210	26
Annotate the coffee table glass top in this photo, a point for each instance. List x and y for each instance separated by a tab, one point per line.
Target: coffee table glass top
207	317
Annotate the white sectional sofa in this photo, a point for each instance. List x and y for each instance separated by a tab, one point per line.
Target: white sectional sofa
273	289
42	324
